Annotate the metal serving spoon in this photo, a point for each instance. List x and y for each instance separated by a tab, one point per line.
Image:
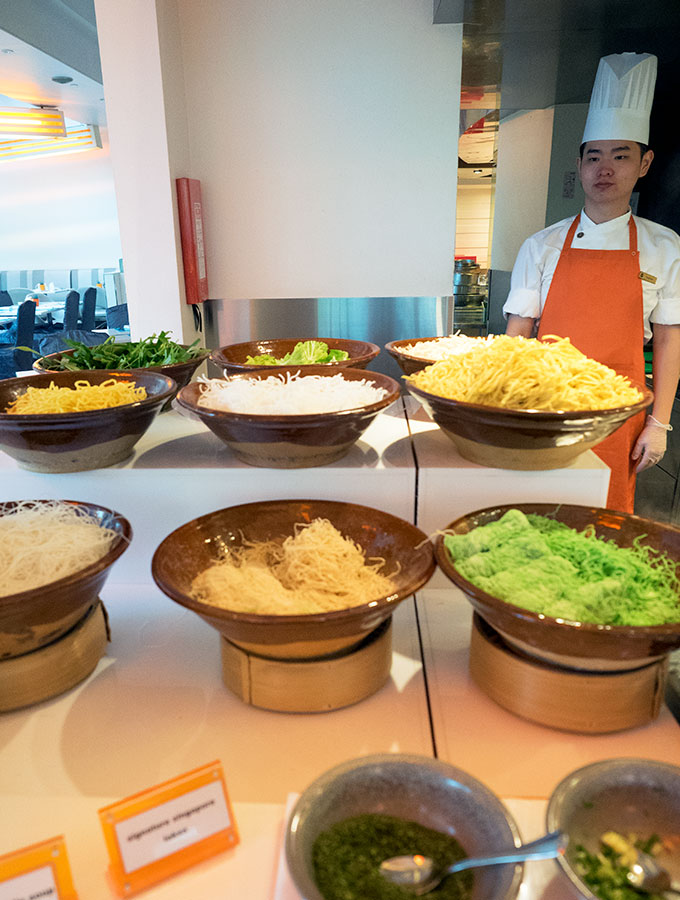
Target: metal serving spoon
647	875
419	875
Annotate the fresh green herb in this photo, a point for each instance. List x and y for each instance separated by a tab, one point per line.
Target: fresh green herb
347	857
303	353
606	875
157	350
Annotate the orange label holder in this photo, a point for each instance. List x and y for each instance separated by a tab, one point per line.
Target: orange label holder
29	861
151	823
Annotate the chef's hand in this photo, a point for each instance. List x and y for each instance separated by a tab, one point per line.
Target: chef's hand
651	445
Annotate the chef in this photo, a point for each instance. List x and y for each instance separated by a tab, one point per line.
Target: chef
606	278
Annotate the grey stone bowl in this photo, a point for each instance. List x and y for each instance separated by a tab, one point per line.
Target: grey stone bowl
410	787
628	795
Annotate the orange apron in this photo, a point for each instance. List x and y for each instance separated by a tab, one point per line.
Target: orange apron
595	299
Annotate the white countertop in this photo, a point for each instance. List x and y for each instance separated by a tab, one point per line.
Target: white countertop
155	706
514	757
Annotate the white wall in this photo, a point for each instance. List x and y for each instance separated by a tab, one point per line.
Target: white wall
325	135
130	52
59	213
524	149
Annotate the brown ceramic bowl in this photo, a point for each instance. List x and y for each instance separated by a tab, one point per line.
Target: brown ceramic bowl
34	618
578	644
524	439
295	441
181	373
407	362
76	441
232	358
628	795
190	549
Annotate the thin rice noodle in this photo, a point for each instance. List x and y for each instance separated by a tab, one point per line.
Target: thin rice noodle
289	394
41	543
316	569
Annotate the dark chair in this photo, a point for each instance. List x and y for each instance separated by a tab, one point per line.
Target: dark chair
71	307
87	311
24	335
117	316
5	298
54	343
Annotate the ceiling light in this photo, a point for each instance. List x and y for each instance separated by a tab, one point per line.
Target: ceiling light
17	121
84	137
62	79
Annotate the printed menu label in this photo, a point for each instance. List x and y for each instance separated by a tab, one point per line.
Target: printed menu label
31	886
159	832
166	828
38	872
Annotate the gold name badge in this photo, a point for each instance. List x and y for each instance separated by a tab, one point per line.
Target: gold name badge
643	276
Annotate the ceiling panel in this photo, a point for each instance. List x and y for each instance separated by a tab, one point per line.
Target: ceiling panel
26	75
538	53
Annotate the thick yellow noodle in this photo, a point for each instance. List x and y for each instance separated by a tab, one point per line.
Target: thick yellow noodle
525	373
80	398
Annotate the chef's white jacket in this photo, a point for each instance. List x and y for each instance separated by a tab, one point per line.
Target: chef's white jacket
659	257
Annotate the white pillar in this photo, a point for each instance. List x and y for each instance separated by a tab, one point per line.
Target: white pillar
145	159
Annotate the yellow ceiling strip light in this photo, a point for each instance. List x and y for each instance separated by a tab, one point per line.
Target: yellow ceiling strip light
85	137
31	122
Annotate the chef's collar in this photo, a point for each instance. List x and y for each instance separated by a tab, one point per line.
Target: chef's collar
586	224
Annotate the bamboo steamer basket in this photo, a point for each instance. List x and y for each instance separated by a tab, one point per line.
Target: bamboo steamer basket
57	667
316	684
578	700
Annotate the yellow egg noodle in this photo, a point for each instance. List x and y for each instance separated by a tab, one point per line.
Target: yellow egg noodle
41	543
82	397
525	373
316	569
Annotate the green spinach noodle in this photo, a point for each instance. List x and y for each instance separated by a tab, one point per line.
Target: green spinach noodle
545	566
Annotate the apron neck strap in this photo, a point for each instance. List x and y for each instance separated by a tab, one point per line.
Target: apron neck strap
572	231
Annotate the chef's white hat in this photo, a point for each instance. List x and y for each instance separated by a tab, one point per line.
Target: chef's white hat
622	98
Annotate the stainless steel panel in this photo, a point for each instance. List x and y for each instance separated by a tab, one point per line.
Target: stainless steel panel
376	319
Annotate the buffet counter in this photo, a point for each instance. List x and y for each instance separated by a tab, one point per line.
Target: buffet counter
155	706
180	470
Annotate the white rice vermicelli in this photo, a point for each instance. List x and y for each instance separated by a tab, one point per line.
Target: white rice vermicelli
444	346
289	394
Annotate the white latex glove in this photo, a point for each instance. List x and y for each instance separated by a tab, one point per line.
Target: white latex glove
650	446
